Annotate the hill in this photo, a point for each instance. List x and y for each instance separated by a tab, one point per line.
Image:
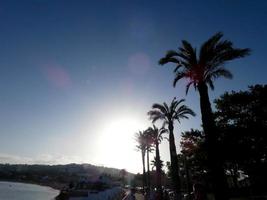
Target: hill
58	176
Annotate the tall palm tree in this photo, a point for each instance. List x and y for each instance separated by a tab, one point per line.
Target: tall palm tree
148	143
141	146
201	69
156	137
170	114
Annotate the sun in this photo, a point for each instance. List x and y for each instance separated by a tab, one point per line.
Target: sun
117	145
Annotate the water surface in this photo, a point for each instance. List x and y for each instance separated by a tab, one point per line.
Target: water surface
22	191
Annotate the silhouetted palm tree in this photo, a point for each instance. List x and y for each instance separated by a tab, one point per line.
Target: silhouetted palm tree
201	69
140	138
156	137
170	114
148	142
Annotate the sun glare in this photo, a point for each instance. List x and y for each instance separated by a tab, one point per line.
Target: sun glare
117	145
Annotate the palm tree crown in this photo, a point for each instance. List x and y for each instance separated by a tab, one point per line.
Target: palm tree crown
140	139
205	66
156	134
168	114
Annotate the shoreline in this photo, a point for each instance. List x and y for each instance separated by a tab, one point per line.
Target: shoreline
54	186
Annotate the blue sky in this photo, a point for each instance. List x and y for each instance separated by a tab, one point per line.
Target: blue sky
71	72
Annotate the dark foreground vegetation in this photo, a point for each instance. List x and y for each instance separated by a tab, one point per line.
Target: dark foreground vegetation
241	124
241	121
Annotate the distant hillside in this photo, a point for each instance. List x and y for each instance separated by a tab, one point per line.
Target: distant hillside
59	174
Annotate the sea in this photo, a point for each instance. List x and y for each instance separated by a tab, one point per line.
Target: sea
23	191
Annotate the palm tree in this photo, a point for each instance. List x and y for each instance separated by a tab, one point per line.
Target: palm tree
170	114
201	69
141	146
156	137
148	143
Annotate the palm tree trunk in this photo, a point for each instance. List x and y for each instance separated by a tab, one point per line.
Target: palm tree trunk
174	164
148	169
158	169
214	163
144	170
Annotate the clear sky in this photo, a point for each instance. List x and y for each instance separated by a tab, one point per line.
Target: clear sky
78	77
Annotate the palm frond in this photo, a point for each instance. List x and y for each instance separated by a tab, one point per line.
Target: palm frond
172	106
166	107
187	53
155	115
175	111
169	57
188	86
179	76
210	83
207	47
222	72
177	67
236	53
160	107
182	112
